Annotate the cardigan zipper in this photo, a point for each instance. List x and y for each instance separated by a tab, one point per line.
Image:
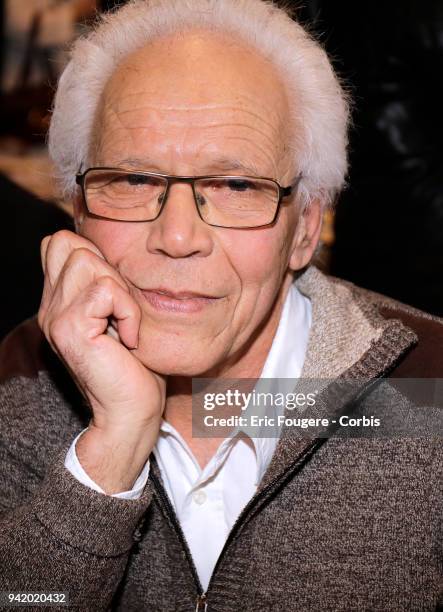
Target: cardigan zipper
255	499
201	604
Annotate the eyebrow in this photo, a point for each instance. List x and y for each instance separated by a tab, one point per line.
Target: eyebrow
220	164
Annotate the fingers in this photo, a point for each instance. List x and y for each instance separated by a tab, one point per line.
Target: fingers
106	298
80	269
85	317
43	249
75	270
70	264
56	249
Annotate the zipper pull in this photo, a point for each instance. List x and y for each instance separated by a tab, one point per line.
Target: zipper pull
202	603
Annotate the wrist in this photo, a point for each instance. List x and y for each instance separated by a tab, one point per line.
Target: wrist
114	458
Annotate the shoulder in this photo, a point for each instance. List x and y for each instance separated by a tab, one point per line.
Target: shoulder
40	404
24	352
425	359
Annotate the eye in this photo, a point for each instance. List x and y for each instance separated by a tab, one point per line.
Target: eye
142	179
240	184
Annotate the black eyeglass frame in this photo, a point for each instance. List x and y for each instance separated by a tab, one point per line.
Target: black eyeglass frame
283	192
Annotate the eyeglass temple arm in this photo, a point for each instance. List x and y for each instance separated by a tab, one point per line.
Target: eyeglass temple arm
286	191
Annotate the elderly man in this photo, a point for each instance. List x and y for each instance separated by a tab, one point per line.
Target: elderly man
199	141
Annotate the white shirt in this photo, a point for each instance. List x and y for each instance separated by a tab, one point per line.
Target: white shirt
207	502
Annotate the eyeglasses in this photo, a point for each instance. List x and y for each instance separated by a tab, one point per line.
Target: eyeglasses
241	202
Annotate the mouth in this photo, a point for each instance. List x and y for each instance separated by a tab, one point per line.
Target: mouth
186	302
181	295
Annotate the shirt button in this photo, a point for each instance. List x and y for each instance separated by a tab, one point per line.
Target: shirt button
199	497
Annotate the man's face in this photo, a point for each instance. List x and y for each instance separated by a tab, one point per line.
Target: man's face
192	105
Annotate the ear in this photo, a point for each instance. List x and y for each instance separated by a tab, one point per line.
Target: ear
307	235
79	212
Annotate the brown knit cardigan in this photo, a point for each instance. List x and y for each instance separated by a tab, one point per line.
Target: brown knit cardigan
336	524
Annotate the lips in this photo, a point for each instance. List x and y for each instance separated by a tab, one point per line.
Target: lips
178	302
181	295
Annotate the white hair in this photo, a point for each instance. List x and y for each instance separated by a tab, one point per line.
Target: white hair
319	104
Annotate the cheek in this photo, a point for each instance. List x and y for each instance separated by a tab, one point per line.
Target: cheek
112	238
259	257
260	261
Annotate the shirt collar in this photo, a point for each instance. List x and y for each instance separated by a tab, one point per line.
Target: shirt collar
284	361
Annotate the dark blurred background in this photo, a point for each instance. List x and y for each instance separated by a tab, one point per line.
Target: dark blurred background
386	232
389	222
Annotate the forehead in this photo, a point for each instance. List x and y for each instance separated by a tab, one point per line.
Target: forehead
208	66
196	86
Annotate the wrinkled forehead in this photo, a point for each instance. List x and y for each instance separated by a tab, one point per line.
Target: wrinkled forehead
197	79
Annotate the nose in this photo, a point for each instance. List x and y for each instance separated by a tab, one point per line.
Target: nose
179	231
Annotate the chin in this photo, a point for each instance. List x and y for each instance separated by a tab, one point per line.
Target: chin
172	361
179	352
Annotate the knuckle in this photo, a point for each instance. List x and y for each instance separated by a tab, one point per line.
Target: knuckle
41	318
80	256
107	282
44	244
103	288
57	331
79	264
63	235
43	310
58	239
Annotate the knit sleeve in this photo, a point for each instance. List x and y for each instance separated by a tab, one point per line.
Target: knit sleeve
56	534
65	536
